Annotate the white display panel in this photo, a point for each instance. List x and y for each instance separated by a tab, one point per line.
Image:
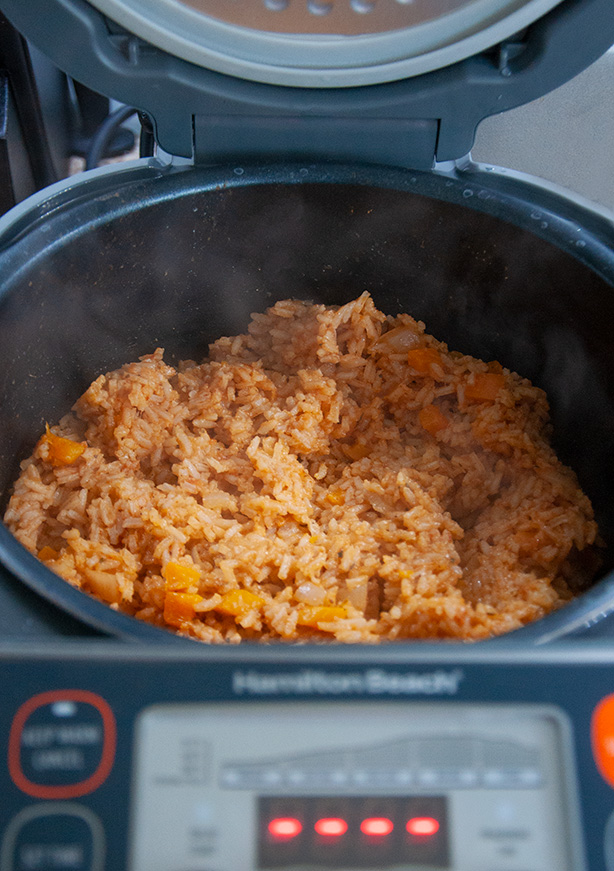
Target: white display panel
209	779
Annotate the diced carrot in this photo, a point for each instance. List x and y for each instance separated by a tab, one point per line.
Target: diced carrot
47	553
485	386
179	577
62	452
423	359
179	607
315	615
357	451
335	497
432	419
238	603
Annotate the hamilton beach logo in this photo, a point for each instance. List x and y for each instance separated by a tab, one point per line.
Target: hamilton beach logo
372	682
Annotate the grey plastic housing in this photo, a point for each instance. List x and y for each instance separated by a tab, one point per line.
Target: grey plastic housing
211	117
323	43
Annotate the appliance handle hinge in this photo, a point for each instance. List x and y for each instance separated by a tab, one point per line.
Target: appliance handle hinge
400	142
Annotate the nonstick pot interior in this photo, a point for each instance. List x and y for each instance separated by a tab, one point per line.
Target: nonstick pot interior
178	261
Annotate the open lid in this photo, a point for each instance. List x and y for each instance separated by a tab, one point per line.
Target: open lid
401	82
324	43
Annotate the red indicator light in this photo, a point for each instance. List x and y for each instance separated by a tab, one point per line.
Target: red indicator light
378	826
424	826
284	828
331	827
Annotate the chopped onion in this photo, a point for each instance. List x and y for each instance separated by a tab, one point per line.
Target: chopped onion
357	589
310	594
103	584
398	340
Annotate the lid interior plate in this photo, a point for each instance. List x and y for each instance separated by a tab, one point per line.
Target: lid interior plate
324	43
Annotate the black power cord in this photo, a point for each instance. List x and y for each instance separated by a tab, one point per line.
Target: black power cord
104	134
147	142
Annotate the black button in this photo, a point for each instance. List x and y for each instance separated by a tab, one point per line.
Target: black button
61	837
608	843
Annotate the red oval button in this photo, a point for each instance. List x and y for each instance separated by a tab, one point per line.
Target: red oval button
602	736
331	827
48	745
377	826
285	828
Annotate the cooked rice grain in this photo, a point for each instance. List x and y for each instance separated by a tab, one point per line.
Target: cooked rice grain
333	474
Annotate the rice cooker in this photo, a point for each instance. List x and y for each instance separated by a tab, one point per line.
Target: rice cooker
313	149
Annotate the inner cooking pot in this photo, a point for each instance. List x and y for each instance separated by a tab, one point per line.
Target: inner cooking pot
96	273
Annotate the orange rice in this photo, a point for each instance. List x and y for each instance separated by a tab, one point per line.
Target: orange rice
333	474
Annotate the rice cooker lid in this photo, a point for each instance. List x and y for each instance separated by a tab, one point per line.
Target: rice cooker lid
324	43
396	82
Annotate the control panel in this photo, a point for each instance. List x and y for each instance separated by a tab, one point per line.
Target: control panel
418	786
199	759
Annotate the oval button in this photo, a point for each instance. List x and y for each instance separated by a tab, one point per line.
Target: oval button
602	736
62	744
60	836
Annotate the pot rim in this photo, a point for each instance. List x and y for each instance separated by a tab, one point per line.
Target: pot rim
582	230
